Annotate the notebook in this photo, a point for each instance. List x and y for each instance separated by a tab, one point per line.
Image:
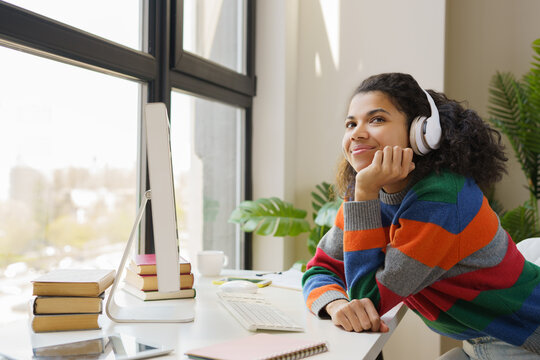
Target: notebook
260	346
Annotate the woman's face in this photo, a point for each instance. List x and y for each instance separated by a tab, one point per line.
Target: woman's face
372	123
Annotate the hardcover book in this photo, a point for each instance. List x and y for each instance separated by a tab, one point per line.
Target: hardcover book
73	282
149	282
157	295
64	322
67	304
145	264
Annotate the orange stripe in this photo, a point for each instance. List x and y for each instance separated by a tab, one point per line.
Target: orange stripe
428	243
480	231
339	218
316	293
365	239
433	246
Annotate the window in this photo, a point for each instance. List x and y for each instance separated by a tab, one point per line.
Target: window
69	145
98	17
71	100
207	142
215	30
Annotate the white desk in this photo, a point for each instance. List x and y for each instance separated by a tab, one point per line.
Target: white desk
212	324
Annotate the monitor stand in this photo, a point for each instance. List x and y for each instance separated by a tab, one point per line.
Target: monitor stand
149	312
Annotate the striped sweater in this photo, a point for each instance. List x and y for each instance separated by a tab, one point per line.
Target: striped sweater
438	247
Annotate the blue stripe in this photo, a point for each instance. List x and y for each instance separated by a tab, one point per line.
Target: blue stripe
362	262
523	322
454	218
319	280
470	199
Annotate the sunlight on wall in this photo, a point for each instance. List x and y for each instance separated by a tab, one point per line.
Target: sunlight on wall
330	12
318	70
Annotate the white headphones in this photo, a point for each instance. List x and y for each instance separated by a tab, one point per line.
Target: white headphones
425	133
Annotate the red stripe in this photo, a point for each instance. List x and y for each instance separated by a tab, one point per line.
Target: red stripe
389	299
500	276
423	306
323	260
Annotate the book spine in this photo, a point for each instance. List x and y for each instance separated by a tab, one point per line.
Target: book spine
301	353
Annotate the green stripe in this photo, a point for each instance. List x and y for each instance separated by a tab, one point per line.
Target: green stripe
487	306
442	187
366	287
444	324
317	270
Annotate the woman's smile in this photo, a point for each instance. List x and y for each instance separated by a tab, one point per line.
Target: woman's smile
361	149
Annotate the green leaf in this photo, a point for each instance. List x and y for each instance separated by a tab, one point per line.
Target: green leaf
327	214
520	223
270	216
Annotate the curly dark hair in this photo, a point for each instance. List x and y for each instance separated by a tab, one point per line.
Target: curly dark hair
469	146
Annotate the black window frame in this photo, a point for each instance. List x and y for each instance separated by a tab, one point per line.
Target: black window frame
164	67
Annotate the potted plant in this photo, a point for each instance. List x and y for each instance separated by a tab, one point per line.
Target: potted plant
275	217
515	110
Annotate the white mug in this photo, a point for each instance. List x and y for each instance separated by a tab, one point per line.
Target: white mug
210	262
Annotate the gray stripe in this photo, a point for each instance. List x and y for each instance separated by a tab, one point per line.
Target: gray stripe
332	243
397	198
488	256
362	215
405	275
324	300
419	276
533	342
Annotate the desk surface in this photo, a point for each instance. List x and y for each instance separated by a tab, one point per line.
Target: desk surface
212	324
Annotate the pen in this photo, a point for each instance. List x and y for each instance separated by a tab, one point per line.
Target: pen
271	272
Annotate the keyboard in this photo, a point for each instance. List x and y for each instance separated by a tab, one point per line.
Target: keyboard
254	312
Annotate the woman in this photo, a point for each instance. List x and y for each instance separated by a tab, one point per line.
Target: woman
416	227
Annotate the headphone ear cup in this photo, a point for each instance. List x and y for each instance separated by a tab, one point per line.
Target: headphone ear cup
415	132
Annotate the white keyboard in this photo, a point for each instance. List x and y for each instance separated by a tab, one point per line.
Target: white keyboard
254	312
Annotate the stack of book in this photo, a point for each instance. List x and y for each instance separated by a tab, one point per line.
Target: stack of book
69	299
141	279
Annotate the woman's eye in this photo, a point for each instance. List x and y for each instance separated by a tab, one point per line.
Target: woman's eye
377	120
350	124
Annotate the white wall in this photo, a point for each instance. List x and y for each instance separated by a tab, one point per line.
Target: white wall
274	114
369	37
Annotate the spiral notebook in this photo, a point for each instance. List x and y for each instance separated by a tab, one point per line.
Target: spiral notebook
261	347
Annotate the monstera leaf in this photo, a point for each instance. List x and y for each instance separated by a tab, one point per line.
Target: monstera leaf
270	216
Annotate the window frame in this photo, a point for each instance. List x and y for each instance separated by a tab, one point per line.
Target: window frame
196	66
162	67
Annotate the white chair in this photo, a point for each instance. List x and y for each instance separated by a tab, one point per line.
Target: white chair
454	354
530	248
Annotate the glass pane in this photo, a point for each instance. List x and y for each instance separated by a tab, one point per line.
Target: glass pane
68	139
215	30
206	143
118	20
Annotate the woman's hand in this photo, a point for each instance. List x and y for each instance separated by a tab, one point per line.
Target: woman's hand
356	315
390	165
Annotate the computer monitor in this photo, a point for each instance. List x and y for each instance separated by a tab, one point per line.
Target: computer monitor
161	194
158	150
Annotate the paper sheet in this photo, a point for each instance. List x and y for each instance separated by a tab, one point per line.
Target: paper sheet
290	279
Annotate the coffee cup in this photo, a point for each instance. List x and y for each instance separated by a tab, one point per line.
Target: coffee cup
210	262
